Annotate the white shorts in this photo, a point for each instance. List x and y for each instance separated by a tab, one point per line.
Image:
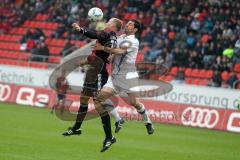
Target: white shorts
121	84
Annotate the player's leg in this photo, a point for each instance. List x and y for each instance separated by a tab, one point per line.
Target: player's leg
60	103
134	101
99	100
109	105
82	112
113	111
75	129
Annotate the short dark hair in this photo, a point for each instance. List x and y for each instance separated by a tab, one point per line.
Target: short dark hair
137	25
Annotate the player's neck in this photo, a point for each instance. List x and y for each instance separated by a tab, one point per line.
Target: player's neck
129	34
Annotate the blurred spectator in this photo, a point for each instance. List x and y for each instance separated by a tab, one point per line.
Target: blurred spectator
40	53
180	77
38	35
68	48
183	33
195	60
232	78
216	79
59	31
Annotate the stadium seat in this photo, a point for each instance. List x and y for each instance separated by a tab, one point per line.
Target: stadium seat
225	75
173	71
188	80
202	73
54	59
203	82
21	31
41	17
196	81
169	78
237	68
55	50
47	32
39	65
27	24
209	74
195	73
188	72
157	3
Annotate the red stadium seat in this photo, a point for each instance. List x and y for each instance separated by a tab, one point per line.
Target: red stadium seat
27	24
53	59
202	73
173	71
196	81
169	78
203	82
237	68
188	72
21	31
195	73
209	74
55	50
41	17
225	75
188	80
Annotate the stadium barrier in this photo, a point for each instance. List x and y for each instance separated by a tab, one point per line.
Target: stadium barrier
160	112
183	94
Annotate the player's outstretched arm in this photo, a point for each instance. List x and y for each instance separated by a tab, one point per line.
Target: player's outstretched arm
90	33
110	50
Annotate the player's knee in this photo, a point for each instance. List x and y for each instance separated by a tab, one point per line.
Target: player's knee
99	103
138	106
84	100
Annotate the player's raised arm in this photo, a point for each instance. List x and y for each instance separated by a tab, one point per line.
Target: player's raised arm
90	33
111	50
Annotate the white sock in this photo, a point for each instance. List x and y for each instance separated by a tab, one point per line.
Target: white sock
115	114
113	111
144	115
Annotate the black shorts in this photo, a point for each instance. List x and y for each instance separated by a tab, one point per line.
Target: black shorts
93	83
61	96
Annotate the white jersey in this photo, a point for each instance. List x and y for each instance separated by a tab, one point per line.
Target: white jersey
125	62
124	67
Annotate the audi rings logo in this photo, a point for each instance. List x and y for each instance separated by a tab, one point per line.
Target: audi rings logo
5	92
200	117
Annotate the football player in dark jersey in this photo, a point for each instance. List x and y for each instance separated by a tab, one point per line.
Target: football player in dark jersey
97	76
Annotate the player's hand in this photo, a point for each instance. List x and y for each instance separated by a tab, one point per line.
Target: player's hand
76	27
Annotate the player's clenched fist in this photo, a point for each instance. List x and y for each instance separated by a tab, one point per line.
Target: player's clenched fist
76	27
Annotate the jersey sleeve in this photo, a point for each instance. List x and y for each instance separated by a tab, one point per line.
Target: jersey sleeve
93	34
133	47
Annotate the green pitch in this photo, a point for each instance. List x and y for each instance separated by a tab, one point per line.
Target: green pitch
28	133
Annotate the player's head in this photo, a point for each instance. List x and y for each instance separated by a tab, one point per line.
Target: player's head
133	27
114	24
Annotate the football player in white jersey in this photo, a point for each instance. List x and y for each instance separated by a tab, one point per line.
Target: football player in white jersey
123	71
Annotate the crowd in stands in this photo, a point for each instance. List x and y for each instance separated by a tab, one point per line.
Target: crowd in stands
202	34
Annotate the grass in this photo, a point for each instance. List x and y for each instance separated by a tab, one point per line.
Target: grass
28	133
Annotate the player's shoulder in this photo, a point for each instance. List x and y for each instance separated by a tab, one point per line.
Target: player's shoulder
134	39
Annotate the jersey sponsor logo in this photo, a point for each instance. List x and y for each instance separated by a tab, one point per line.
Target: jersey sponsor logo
200	117
234	122
29	96
5	92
